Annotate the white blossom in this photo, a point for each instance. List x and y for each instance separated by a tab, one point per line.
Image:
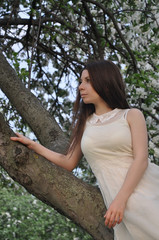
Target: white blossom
155	83
47	210
136	16
151	145
153	24
93	12
152	131
157	16
135	45
129	35
58	39
17	221
147	66
35	201
141	92
128	19
79	3
156	152
156	139
145	107
141	4
149	120
153	111
8	214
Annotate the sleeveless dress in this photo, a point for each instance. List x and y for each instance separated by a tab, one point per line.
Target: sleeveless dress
107	146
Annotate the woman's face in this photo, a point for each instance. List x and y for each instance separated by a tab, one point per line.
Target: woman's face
87	92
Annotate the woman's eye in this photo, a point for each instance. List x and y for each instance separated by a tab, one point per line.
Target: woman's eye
86	80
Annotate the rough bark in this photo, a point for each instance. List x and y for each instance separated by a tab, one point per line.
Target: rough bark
43	125
51	184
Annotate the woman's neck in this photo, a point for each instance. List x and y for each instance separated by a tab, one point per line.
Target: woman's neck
102	108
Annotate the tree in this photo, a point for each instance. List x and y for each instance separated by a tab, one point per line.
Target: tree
47	182
63	35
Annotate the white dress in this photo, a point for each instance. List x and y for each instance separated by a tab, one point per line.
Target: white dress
107	146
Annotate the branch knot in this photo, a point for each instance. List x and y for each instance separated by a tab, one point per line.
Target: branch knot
21	157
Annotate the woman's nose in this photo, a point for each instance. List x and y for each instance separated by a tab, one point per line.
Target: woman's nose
81	86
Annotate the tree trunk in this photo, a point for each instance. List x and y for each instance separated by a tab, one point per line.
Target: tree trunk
51	184
43	125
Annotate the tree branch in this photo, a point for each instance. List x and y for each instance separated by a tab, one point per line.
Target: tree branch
51	184
94	29
107	12
23	21
43	125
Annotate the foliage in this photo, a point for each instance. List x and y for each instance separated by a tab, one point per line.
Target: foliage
49	41
22	216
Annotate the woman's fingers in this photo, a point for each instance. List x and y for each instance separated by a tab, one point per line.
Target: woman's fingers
113	218
115	213
22	139
15	138
109	218
18	138
111	221
118	219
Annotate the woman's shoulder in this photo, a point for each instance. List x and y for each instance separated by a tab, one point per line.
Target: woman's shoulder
134	114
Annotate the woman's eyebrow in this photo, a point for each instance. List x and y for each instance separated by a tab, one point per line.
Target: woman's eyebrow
80	79
87	77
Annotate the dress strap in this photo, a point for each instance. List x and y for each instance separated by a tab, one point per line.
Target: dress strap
125	113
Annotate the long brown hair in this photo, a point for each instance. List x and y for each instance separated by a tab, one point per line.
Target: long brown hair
107	81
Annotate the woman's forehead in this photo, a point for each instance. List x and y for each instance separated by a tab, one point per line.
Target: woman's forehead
85	73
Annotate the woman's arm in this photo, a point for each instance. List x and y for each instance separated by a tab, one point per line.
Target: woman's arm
68	161
140	151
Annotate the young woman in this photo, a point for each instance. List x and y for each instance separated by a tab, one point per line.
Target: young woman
113	139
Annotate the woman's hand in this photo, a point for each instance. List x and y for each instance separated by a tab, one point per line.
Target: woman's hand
115	212
22	139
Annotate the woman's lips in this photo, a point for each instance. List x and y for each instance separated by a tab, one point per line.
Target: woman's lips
83	95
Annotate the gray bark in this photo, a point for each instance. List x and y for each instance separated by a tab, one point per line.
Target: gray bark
43	125
51	184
